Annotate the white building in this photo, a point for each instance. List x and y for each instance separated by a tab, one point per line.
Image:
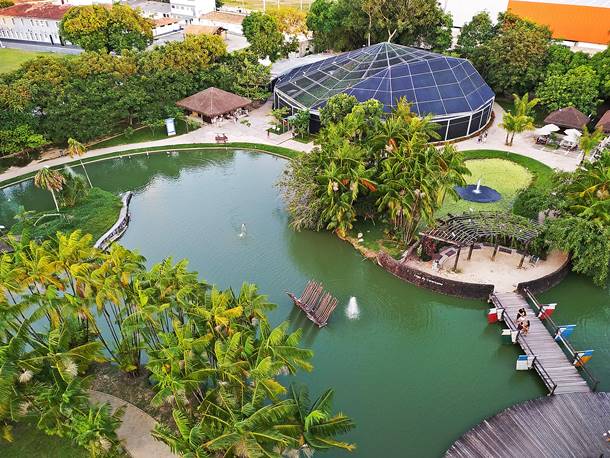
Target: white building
159	12
463	11
38	22
191	9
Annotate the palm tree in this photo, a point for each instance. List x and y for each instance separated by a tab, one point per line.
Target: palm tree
76	148
51	180
515	124
523	105
589	141
316	424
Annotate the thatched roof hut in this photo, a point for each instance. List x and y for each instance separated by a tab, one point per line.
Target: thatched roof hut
604	122
213	102
569	117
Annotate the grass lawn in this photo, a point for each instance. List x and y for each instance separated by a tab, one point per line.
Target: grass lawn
30	442
94	214
308	138
142	134
506	177
11	59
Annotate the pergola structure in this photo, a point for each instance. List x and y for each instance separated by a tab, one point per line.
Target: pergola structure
493	228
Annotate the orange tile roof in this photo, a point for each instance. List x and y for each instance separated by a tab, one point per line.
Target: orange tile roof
590	24
165	21
36	11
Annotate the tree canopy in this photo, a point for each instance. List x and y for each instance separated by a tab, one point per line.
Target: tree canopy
265	38
214	359
578	87
96	27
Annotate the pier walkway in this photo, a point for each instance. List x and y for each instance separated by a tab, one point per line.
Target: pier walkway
571	425
552	357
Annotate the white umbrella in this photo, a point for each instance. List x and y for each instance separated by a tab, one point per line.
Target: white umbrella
546	130
573	133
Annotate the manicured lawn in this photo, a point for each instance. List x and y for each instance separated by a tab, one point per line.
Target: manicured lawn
506	177
94	214
11	59
32	443
143	134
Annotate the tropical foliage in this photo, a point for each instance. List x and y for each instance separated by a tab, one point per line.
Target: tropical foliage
211	355
519	119
578	87
266	40
371	167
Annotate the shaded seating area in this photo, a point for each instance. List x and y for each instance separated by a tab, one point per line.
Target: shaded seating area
505	232
213	104
567	118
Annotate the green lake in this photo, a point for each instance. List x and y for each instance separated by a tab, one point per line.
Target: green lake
415	370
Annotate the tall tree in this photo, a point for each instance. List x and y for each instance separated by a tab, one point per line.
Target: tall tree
511	61
474	34
51	180
579	87
98	27
77	149
265	38
589	141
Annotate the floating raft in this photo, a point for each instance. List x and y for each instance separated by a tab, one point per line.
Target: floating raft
317	305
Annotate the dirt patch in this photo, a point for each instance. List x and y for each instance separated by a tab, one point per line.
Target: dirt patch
135	390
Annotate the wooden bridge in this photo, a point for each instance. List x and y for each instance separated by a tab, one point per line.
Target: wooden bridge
561	368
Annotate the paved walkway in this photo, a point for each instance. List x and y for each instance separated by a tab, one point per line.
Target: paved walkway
134	432
256	132
523	144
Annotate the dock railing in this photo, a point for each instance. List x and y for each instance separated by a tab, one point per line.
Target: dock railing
521	340
566	346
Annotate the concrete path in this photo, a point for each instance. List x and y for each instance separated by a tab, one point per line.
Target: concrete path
134	432
523	144
256	132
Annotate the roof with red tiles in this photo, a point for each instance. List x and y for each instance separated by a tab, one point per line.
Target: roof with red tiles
36	11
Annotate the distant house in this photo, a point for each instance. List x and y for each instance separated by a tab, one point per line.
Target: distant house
165	25
37	22
213	103
229	21
205	30
191	9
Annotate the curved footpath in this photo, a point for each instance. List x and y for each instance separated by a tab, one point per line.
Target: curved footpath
135	429
256	132
567	425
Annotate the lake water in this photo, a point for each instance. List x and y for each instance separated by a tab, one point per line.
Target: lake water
414	369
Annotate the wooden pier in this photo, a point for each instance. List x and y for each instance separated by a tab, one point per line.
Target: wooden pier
555	365
317	305
571	425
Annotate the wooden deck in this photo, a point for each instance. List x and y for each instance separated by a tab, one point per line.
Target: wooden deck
571	425
551	363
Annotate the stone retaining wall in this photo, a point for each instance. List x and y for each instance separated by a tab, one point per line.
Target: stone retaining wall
433	282
542	284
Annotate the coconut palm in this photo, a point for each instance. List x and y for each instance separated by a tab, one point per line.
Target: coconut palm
317	426
515	124
51	180
523	105
589	141
77	149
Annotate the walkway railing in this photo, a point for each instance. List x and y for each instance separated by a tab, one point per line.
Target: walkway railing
520	339
117	230
567	346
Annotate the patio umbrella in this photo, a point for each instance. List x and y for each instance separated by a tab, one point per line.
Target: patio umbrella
576	134
546	130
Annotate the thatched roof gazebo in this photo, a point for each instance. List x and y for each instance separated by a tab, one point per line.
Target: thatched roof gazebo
568	118
213	102
604	123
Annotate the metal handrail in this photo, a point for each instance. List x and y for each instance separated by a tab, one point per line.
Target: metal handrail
566	343
536	364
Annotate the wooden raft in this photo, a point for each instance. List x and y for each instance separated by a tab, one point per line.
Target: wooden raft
317	305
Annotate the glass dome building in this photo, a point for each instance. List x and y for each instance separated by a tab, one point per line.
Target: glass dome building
448	88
